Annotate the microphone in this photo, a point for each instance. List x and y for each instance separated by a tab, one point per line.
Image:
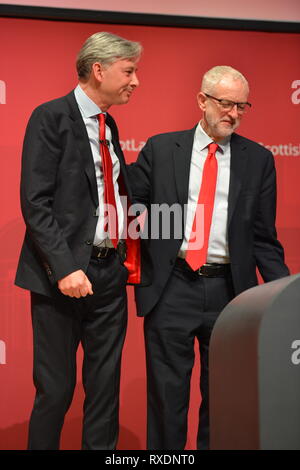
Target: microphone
104	142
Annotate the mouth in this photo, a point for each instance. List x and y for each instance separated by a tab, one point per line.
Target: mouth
126	92
227	122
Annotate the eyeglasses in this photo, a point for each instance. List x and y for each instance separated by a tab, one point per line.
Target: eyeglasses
227	105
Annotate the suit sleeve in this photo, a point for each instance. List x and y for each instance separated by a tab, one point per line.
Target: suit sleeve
268	250
140	175
42	151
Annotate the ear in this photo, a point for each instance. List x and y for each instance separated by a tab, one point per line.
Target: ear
201	99
97	71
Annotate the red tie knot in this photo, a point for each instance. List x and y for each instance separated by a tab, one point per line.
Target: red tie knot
101	118
212	148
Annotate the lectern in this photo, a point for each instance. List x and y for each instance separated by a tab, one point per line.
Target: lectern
255	369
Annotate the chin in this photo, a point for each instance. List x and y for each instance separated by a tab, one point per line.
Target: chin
121	101
125	99
225	132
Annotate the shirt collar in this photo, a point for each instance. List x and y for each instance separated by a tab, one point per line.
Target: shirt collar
87	106
203	140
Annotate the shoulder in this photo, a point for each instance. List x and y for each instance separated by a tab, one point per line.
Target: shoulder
258	154
62	105
168	138
250	145
53	116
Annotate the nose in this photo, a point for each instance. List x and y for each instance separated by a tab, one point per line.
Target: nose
134	81
234	112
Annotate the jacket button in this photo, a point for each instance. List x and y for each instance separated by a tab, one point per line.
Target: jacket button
88	242
49	272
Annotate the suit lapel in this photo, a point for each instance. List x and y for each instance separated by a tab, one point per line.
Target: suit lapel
237	171
118	151
83	144
182	155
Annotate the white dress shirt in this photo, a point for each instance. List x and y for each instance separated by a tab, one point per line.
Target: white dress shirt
218	244
89	111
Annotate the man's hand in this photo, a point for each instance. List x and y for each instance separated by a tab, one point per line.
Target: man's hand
75	284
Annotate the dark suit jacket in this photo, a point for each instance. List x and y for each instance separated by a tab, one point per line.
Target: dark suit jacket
59	196
161	176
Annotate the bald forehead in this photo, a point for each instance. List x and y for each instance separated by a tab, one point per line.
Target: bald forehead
232	85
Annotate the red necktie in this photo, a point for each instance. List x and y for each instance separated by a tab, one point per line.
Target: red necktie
111	213
197	257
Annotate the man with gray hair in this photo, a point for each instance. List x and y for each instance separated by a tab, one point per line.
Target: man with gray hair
73	258
226	187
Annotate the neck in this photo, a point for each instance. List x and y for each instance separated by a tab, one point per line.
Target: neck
94	94
208	132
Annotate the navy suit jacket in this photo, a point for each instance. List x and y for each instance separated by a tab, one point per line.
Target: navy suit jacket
161	176
59	196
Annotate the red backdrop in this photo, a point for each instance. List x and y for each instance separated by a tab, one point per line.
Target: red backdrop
37	65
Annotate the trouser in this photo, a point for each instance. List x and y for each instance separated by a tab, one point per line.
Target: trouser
187	310
60	323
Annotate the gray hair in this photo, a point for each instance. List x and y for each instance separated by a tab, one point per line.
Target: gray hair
213	76
105	48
